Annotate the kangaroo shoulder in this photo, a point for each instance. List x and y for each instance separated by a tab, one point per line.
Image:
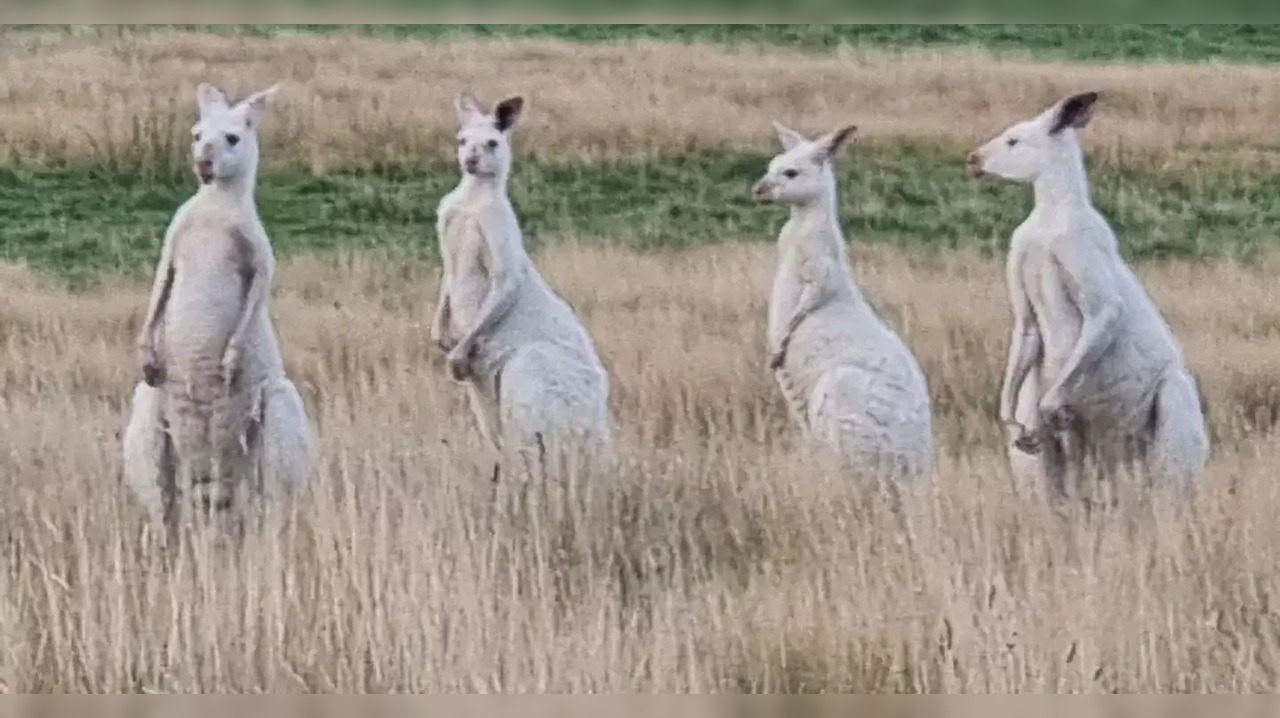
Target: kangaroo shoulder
183	216
446	208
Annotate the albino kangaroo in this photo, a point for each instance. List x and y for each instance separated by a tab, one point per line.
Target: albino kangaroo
849	380
1095	376
532	373
215	412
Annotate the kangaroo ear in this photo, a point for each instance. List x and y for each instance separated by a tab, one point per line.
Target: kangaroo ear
467	107
209	98
255	104
1075	111
789	138
832	142
507	113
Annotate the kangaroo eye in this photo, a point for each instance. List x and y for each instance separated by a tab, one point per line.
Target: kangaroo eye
461	142
233	139
791	174
195	136
493	144
1011	141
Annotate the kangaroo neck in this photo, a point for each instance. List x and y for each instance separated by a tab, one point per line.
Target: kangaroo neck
238	192
813	227
483	186
1064	186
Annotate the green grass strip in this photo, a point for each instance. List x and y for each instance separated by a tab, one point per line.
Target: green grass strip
77	222
1099	43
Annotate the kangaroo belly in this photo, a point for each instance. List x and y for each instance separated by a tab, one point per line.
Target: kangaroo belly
201	315
212	436
834	335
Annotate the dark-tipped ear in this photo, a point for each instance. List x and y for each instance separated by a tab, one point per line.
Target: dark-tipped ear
832	142
1075	111
507	113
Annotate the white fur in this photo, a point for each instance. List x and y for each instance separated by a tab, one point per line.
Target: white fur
849	380
215	411
533	377
1094	373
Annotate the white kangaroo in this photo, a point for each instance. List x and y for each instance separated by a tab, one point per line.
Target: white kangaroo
848	378
531	369
1095	376
215	413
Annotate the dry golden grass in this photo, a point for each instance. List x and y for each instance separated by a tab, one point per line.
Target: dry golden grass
719	559
353	100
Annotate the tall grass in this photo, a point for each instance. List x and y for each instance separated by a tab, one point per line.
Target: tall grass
721	557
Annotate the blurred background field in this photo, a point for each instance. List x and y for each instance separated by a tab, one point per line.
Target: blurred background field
650	145
1106	43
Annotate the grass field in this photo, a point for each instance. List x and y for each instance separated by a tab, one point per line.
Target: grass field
79	223
90	157
723	556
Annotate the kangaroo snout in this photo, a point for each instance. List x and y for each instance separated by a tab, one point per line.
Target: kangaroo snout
204	170
760	192
973	165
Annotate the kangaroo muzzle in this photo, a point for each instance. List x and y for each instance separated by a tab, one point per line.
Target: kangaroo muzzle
761	192
973	165
204	170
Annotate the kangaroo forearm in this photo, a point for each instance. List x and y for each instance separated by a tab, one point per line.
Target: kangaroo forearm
810	299
488	320
255	298
156	306
1094	340
162	284
441	320
496	305
1027	354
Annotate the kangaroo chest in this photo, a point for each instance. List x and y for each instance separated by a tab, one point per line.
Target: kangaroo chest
469	264
212	268
797	266
1048	290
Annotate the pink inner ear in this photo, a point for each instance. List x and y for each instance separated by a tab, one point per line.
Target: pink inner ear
210	97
